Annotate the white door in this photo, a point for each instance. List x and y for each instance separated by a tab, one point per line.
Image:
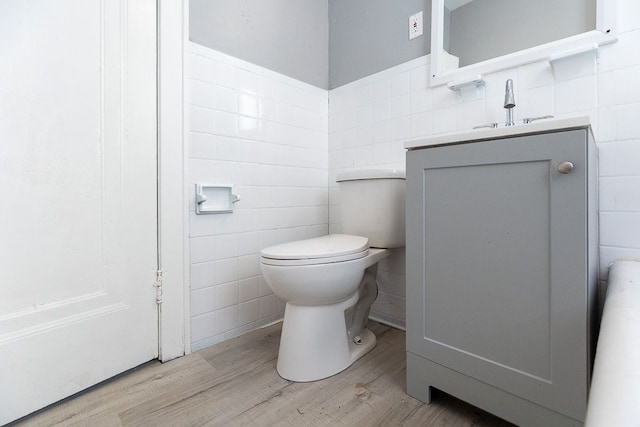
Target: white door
78	221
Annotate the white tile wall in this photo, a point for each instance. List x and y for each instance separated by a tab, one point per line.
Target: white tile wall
370	118
266	134
277	140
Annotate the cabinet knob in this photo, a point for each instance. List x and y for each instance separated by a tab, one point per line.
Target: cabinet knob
565	167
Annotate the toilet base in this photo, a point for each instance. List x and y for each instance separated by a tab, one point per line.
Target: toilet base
314	343
367	342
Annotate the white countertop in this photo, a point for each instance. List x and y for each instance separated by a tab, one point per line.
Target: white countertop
470	135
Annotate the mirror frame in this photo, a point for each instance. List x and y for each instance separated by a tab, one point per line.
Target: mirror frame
603	34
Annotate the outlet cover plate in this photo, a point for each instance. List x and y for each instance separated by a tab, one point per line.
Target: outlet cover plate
415	25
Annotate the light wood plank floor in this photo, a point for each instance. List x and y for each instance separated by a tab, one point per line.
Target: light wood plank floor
235	383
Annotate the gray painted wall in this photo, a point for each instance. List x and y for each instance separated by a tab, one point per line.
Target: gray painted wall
367	36
492	28
329	43
287	36
326	43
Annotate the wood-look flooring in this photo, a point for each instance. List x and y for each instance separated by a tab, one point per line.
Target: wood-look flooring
235	383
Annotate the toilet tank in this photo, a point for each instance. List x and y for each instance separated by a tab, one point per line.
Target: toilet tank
372	204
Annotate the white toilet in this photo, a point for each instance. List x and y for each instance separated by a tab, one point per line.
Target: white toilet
329	282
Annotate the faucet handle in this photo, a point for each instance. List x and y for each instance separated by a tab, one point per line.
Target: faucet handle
533	119
488	125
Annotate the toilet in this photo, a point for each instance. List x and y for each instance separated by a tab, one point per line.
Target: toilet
329	283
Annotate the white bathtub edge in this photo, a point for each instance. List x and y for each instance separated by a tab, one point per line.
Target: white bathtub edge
615	385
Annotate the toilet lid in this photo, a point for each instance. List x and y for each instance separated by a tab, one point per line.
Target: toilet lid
330	248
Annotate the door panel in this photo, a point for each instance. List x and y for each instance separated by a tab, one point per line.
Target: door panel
78	223
493	255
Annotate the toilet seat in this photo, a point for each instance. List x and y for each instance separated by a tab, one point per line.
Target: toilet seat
320	250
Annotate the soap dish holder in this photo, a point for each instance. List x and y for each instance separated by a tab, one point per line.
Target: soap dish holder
215	198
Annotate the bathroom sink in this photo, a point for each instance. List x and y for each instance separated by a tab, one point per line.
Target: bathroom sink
473	135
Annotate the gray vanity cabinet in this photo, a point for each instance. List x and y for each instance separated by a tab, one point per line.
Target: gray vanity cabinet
502	274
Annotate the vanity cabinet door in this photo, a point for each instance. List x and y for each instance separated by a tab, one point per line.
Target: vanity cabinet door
497	266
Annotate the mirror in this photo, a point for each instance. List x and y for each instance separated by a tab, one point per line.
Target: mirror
473	37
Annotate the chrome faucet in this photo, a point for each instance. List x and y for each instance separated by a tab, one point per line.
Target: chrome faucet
509	102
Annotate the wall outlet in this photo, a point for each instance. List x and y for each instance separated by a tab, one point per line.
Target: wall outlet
415	25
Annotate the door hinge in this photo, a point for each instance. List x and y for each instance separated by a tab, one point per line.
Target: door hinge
158	286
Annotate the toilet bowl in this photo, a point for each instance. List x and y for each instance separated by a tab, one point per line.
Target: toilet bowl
329	283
